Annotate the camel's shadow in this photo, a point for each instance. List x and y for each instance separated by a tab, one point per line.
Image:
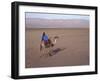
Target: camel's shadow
52	52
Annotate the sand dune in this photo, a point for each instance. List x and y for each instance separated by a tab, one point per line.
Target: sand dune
56	23
72	48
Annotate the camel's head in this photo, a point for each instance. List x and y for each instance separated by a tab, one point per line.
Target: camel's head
56	37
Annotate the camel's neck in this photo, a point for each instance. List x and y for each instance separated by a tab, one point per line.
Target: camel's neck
55	41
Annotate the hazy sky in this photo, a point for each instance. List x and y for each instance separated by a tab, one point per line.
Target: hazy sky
55	16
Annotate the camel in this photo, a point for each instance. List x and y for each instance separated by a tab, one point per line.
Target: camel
49	44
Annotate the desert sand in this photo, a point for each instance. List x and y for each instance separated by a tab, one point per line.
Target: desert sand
71	49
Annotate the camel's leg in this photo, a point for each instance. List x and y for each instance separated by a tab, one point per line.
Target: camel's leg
40	47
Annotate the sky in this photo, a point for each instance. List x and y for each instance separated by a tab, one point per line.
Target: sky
55	16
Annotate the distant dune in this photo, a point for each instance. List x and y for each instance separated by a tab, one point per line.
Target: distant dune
56	23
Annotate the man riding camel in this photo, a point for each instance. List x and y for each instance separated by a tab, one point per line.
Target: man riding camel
46	40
